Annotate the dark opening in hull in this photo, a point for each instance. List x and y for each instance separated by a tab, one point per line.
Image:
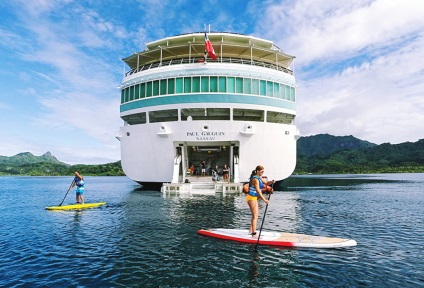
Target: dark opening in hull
155	186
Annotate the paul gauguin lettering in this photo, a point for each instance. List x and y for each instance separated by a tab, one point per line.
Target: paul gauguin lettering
205	135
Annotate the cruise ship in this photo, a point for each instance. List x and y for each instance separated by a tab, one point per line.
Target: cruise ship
219	98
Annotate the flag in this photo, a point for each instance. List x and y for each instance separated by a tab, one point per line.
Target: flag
209	47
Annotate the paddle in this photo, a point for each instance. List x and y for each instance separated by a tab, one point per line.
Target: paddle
67	192
263	219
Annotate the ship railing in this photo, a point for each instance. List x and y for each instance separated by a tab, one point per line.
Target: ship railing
230	60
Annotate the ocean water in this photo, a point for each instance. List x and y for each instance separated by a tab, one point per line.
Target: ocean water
146	239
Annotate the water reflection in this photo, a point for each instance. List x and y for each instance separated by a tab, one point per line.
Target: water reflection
253	272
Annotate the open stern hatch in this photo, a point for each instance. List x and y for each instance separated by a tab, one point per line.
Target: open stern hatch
213	154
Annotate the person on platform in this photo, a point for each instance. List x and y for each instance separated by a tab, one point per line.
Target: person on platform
226	173
255	191
203	166
79	182
215	173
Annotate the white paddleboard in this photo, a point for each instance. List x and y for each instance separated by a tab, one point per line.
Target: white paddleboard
278	238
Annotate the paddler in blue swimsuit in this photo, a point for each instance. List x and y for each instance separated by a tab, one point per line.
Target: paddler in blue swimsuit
256	184
79	182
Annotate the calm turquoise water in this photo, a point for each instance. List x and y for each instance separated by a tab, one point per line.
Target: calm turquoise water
145	239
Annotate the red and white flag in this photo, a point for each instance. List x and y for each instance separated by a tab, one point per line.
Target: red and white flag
209	47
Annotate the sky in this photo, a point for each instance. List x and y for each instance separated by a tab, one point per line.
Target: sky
359	66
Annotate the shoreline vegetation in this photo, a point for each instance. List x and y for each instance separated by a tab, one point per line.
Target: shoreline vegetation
318	154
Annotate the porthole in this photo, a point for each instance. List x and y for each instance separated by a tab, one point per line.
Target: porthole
205	127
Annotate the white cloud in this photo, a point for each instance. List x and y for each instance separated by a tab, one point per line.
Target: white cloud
379	101
77	114
84	112
357	66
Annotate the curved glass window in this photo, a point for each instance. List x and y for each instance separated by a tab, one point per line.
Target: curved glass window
156	88
137	92
143	90
231	87
222	86
131	93
247	86
278	117
255	86
262	88
134	119
213	84
205	84
239	85
269	88
190	114
162	87
196	114
149	86
248	115
208	84
187	85
179	85
171	86
163	116
195	87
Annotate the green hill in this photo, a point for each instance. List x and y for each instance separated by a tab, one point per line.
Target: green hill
325	144
384	158
29	158
47	165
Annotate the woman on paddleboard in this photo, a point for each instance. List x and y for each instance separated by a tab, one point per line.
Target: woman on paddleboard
256	183
79	182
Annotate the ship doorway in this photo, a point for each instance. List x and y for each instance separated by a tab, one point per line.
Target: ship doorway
212	156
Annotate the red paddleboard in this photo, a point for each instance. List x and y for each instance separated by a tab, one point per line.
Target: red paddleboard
278	238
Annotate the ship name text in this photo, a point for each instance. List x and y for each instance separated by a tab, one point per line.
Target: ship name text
205	135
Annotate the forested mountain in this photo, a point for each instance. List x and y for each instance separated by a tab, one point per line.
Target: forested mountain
29	158
319	154
47	165
325	144
404	157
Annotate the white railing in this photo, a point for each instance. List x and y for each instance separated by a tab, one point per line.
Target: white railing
221	60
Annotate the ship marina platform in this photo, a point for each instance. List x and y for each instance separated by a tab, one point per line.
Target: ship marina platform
201	185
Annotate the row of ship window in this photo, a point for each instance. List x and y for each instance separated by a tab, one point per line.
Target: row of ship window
194	114
208	84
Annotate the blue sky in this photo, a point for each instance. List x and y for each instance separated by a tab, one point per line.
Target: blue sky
359	66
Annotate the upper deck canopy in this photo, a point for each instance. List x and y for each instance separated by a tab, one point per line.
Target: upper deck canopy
226	45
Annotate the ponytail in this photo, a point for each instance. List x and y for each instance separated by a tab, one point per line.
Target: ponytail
258	168
253	174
